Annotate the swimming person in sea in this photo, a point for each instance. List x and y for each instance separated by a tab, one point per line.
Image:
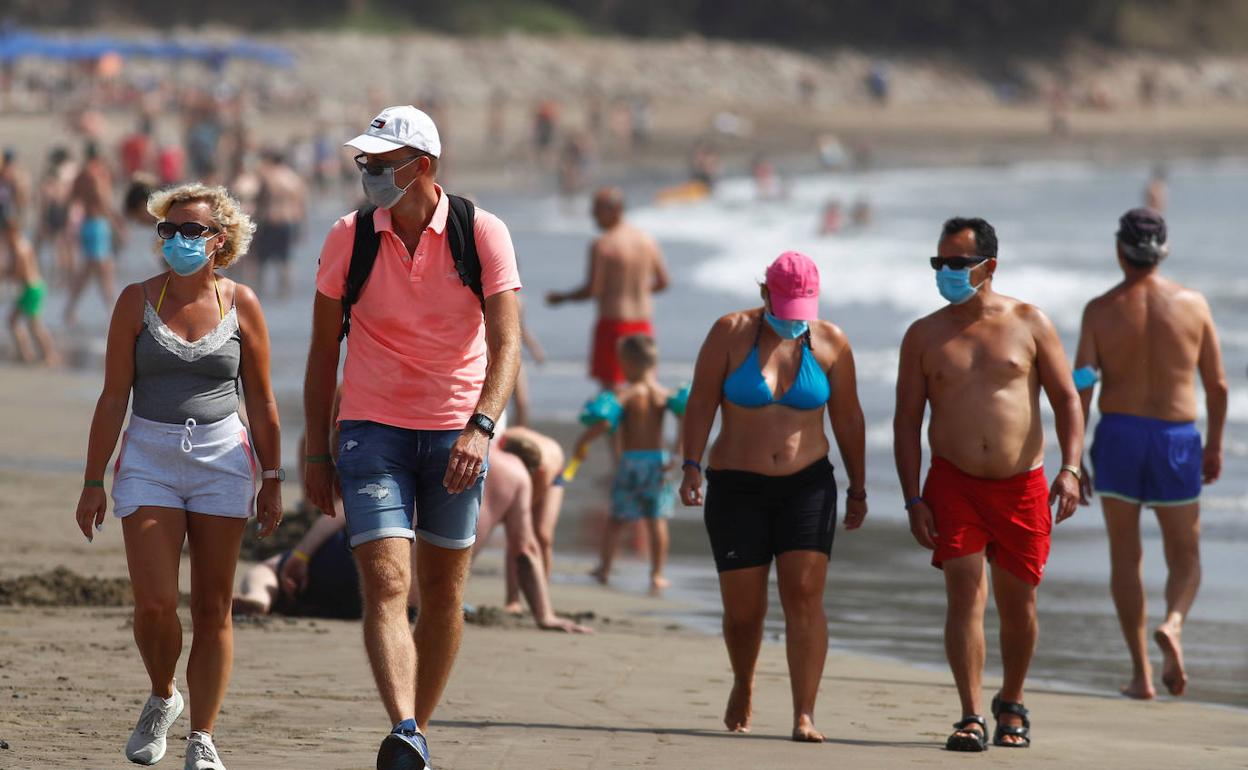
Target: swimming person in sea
183	344
641	491
772	373
1145	340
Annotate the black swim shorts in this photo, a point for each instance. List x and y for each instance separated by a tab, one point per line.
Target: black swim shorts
753	518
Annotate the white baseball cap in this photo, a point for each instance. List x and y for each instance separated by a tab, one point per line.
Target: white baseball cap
401	126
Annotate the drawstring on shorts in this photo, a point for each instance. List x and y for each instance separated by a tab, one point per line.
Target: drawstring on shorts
187	435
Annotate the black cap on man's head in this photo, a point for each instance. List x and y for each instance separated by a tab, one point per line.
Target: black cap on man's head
1142	236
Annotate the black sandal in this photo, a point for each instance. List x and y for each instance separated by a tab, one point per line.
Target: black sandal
1023	731
976	741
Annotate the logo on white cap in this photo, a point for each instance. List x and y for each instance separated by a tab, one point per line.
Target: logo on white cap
400	126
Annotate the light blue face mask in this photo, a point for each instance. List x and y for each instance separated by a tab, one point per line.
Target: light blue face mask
789	330
955	285
186	256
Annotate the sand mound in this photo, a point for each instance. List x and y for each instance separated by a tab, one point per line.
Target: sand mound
63	588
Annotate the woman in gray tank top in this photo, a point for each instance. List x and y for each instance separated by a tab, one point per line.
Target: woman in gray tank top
184	344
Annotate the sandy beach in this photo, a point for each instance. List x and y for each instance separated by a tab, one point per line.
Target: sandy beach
642	692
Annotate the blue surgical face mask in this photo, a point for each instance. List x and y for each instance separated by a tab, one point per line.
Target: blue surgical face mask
186	256
381	190
789	330
955	285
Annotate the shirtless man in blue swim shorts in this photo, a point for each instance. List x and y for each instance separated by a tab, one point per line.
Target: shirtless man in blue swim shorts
1145	339
101	232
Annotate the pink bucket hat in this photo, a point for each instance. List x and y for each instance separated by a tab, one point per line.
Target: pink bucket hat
793	285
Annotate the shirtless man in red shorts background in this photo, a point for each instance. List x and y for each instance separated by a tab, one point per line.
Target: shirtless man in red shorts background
626	268
980	362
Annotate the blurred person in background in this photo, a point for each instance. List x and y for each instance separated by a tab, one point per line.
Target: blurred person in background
281	208
54	216
14	198
100	233
625	270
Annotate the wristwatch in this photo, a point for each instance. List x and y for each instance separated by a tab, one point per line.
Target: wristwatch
279	474
1074	471
483	422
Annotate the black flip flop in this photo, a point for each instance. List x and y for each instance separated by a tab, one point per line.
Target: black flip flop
1023	731
976	741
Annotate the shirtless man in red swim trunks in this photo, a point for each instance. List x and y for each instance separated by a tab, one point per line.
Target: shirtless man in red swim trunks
626	268
980	363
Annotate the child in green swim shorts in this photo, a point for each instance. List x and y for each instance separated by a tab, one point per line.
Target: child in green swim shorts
29	304
641	491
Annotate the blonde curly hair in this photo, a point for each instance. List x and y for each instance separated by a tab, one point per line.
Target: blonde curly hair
227	213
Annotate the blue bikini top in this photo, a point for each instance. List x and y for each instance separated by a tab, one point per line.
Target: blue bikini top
746	387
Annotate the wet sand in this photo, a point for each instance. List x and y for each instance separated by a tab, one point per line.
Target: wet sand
642	692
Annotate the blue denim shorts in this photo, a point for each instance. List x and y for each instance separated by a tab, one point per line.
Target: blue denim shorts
392	486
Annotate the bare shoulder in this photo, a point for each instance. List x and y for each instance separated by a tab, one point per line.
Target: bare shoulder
131	302
732	324
828	334
1032	316
921	329
1191	298
245	300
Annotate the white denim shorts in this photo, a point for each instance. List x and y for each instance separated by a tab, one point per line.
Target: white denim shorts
207	469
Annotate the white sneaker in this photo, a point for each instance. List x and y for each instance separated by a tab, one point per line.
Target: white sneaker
147	743
201	754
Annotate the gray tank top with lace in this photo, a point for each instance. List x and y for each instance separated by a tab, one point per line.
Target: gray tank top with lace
175	380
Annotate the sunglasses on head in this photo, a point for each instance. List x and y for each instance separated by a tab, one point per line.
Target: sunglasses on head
377	169
189	230
957	263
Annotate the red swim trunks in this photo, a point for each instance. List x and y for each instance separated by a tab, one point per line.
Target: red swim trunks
604	362
1008	519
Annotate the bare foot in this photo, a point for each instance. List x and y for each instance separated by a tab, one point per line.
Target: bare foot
657	584
1172	673
1140	688
513	608
804	731
740	709
599	574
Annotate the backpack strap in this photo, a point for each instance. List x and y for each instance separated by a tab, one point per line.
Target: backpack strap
460	221
363	256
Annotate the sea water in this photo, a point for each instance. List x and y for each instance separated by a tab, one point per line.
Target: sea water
1056	225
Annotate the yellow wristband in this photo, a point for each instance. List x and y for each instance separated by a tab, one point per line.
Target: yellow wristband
301	556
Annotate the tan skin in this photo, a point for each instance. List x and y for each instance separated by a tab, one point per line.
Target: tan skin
385	565
1149	337
626	267
644	402
92	191
154	535
775	440
980	366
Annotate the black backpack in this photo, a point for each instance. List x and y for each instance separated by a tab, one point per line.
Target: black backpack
459	228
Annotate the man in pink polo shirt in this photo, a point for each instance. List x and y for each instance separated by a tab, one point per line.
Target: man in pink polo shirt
428	371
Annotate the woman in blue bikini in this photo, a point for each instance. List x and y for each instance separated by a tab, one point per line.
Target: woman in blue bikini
771	492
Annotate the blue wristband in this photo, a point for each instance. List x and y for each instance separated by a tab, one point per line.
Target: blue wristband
913	502
692	464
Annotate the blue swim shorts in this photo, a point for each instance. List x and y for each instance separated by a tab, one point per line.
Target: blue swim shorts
392	486
1147	461
641	490
96	237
